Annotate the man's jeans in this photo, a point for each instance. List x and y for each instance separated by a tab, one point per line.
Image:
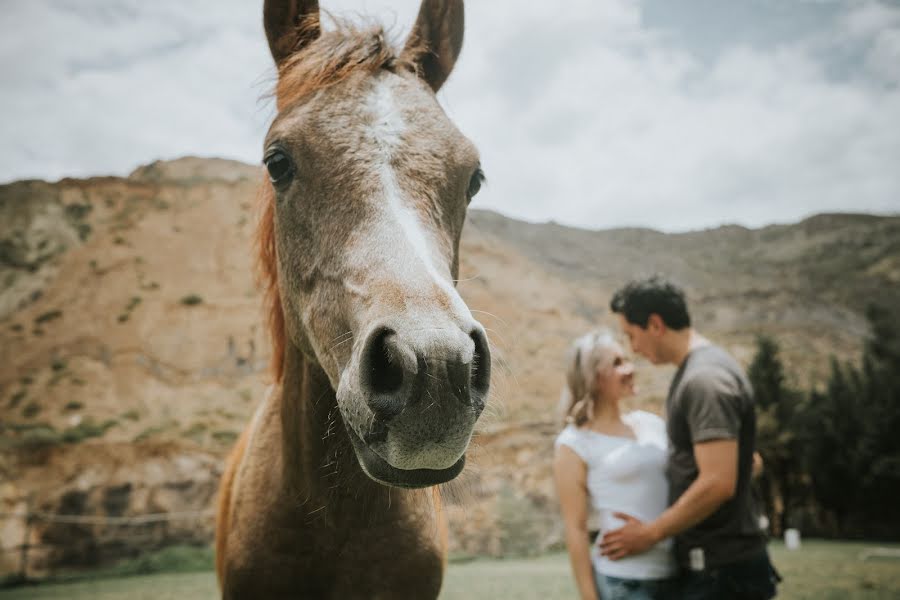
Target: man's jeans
752	579
616	588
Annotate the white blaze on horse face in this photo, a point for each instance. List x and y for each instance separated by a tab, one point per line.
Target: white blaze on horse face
388	124
387	129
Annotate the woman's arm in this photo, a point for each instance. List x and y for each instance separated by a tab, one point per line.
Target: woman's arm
570	474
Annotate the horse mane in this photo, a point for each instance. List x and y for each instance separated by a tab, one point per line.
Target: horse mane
329	59
335	55
267	266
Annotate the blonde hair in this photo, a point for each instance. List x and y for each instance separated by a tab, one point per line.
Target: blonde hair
585	357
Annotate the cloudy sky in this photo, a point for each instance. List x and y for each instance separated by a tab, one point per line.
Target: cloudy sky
671	114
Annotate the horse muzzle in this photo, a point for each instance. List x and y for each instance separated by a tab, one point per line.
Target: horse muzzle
410	400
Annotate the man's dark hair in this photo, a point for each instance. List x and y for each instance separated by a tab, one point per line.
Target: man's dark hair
640	298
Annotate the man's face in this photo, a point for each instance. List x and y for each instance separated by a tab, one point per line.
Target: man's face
643	341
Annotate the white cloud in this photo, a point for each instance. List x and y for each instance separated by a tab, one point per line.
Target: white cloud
584	114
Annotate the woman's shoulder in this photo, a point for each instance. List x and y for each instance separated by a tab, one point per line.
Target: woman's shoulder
644	419
569	434
576	439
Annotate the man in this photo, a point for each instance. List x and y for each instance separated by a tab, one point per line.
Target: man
711	427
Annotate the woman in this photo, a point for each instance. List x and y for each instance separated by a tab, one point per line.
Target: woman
607	462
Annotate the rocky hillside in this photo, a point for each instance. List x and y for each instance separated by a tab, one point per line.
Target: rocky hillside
132	351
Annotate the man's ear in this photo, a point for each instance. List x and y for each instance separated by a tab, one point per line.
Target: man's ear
656	325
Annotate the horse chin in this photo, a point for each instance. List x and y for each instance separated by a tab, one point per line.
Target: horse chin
383	472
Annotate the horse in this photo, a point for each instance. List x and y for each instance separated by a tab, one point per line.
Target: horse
380	370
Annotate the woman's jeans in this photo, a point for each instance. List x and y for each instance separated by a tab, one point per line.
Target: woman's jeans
616	588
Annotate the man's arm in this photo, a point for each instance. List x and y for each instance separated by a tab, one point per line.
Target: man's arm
570	474
717	462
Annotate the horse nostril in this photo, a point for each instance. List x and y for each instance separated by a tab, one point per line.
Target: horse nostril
481	362
384	373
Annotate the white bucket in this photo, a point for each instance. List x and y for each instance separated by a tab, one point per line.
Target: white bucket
792	539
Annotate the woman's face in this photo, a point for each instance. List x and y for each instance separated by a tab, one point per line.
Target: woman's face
615	377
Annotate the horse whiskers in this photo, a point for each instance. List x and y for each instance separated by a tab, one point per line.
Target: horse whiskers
330	423
302	503
312	516
319	398
484	312
371	424
350	333
472	278
349	339
495	334
433	401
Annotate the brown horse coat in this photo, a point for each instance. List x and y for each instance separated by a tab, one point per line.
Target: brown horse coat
380	369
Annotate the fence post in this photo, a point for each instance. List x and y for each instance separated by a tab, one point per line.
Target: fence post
23	561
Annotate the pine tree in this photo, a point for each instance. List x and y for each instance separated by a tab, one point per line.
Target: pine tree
880	439
776	406
851	440
766	374
832	436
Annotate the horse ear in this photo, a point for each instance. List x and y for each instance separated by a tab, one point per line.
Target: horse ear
290	25
436	40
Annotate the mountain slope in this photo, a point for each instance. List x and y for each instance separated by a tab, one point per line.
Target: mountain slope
129	317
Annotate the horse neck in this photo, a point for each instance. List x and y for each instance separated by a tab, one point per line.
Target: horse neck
318	460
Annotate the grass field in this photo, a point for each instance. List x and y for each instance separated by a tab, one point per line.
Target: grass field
820	570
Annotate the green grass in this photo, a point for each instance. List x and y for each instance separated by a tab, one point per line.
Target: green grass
539	578
48	316
175	559
192	300
177	586
196	432
35	435
132	304
87	429
149	433
820	570
225	436
834	571
16	398
31	409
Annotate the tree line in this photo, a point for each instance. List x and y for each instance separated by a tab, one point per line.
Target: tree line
832	453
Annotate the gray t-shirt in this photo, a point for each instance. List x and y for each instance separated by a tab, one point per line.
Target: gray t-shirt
711	399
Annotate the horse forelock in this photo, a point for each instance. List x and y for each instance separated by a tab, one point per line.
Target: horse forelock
337	54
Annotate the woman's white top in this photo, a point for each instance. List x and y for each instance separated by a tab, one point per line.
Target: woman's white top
628	476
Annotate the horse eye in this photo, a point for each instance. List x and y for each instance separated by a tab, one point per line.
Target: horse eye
279	166
475	183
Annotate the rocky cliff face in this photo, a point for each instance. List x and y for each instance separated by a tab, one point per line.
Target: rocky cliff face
132	350
94	504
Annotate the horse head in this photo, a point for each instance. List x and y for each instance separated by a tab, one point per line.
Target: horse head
370	183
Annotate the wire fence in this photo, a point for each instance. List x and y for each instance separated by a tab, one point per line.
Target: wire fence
138	530
46	517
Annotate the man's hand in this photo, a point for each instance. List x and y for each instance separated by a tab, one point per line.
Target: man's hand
716	483
633	537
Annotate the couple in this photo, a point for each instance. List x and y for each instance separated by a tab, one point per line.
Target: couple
673	498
